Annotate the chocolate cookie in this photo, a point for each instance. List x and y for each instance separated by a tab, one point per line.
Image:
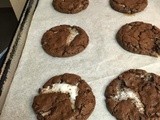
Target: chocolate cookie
134	95
64	41
128	6
141	38
64	97
70	6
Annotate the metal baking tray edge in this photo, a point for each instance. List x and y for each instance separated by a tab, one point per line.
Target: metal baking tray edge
15	50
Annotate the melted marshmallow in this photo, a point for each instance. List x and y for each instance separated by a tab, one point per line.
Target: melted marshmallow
72	90
128	93
73	34
45	113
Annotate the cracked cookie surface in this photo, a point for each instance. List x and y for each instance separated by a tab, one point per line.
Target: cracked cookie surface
64	41
64	97
141	38
134	95
70	6
129	6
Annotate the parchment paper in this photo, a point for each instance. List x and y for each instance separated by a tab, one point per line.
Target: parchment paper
98	64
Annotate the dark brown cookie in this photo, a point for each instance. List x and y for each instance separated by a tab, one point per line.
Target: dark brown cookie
70	6
128	6
141	38
134	95
64	41
64	97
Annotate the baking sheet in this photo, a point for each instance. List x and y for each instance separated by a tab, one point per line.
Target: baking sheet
98	64
15	50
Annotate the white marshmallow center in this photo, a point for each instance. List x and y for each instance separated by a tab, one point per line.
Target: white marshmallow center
129	94
73	34
72	90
